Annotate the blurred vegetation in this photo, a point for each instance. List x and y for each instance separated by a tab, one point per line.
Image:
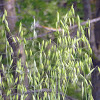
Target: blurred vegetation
45	11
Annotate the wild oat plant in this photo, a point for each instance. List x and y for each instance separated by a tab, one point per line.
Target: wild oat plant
57	69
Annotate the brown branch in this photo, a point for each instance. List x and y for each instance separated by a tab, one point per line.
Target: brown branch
71	27
51	30
40	36
83	23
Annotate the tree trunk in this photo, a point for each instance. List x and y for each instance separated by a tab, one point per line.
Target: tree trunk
87	9
97	25
11	19
88	15
9	5
94	41
96	81
96	62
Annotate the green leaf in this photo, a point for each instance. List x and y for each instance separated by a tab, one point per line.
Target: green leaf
0	80
84	79
26	53
21	34
25	41
3	18
11	62
22	97
20	27
57	16
3	67
33	97
0	58
16	80
82	90
99	69
30	52
8	92
5	12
